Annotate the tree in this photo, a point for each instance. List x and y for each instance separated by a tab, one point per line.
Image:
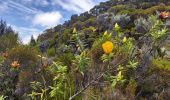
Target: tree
32	41
4	29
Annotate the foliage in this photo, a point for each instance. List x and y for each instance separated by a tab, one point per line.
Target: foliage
23	54
51	52
107	57
32	41
157	32
125	44
81	62
86	56
132	64
117	79
130	10
37	86
161	64
60	78
1	59
4	29
2	97
142	25
8	41
117	8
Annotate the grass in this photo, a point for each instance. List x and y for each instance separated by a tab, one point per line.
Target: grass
122	9
160	67
167	47
161	64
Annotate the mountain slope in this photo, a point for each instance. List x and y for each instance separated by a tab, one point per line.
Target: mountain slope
103	17
133	17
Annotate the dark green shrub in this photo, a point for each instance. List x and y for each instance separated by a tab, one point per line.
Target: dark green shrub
51	52
8	41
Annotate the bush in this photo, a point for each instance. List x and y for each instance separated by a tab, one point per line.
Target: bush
8	41
27	56
51	52
161	64
65	58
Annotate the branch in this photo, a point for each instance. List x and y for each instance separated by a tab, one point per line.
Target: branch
94	80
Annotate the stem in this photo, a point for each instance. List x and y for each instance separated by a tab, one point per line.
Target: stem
65	90
94	80
44	83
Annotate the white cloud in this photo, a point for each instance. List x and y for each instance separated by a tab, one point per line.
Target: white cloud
43	2
19	7
36	2
77	6
3	7
26	32
48	19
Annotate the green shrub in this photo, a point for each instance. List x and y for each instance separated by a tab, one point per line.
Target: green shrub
51	52
161	64
117	8
123	9
151	10
8	41
65	58
27	56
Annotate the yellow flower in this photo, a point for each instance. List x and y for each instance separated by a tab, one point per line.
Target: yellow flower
79	49
124	39
93	29
117	27
107	47
39	56
105	33
74	30
110	34
119	76
77	45
15	64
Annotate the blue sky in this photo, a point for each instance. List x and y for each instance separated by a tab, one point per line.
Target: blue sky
32	17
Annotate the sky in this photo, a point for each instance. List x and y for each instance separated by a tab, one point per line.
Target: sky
32	17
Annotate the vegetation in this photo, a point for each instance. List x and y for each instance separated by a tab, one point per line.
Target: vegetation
110	54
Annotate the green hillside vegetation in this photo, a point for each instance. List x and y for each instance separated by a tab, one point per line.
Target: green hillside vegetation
118	50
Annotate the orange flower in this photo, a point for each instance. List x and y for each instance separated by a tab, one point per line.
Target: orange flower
45	64
107	47
164	15
15	64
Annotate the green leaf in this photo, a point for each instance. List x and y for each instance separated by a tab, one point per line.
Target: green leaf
132	64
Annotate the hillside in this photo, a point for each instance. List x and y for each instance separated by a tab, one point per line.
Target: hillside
118	50
103	16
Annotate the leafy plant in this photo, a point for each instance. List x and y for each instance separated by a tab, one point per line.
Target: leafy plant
132	64
107	57
81	62
59	79
51	52
117	79
157	32
38	91
2	97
